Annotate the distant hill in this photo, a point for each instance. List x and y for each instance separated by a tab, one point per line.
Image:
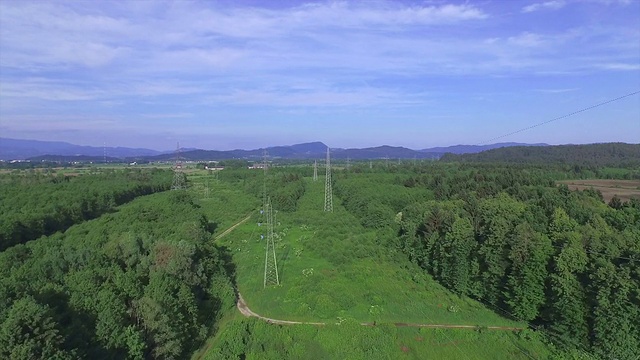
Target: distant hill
381	152
315	150
297	151
15	149
605	154
73	158
470	149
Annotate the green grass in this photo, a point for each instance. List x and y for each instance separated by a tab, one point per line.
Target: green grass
224	205
253	339
331	267
335	271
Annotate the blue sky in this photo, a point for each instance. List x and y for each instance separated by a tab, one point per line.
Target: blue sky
233	74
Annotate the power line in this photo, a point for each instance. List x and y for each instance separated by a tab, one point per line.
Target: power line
559	118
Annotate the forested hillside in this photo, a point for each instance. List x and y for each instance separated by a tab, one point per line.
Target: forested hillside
606	154
445	244
563	261
33	204
142	282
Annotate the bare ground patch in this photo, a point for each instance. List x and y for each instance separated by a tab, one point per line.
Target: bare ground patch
624	189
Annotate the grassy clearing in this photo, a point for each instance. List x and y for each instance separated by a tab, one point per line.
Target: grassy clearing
335	271
253	339
332	268
224	204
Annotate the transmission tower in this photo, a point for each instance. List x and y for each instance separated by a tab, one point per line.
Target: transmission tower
264	180
178	176
270	264
328	194
348	163
315	171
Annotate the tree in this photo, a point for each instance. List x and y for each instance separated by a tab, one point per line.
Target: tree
456	263
30	332
529	255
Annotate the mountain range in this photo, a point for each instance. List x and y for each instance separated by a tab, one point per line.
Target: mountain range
15	149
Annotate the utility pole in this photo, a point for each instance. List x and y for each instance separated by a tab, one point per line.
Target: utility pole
270	264
328	194
178	176
315	170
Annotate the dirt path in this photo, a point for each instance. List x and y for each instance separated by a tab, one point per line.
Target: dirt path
246	311
226	232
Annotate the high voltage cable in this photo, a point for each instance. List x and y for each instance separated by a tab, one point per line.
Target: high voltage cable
559	118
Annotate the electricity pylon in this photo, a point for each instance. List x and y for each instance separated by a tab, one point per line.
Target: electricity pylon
178	176
328	194
270	264
348	163
264	180
315	171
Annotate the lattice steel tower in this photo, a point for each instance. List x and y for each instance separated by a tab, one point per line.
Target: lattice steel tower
264	181
179	182
328	194
315	171
270	264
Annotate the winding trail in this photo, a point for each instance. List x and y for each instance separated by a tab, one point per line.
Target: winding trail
247	312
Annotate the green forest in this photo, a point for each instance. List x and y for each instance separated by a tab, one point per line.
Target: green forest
110	263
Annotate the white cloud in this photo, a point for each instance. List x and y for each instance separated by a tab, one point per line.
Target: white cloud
121	51
527	39
556	91
620	66
547	5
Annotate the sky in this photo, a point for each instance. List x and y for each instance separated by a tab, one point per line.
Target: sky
249	74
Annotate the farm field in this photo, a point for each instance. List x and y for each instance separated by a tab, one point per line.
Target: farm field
623	189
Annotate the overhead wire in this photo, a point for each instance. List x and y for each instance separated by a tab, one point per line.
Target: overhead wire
560	117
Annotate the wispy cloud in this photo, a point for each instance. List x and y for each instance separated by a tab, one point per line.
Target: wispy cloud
216	60
547	5
620	66
556	91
